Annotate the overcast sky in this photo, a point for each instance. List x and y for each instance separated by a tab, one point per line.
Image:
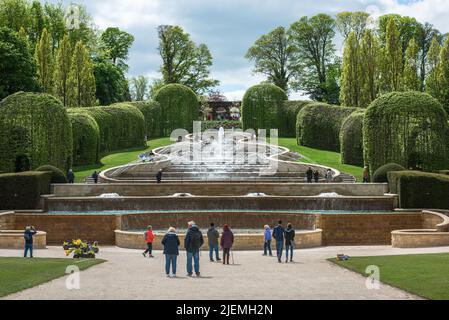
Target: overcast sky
230	27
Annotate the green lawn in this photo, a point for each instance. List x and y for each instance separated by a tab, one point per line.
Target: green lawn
425	275
325	158
17	274
118	158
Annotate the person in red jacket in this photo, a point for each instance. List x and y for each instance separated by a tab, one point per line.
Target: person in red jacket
227	240
149	238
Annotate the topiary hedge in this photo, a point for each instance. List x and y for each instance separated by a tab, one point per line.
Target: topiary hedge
57	176
408	128
261	107
288	115
318	125
152	112
179	108
351	139
86	139
22	191
226	124
34	130
420	189
121	125
380	175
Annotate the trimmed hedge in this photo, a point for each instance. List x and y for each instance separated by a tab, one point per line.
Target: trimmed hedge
408	128
152	113
57	176
179	108
22	191
261	107
121	126
380	175
86	139
351	139
34	129
226	124
288	115
420	189
318	125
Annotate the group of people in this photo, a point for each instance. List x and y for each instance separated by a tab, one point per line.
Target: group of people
71	176
194	241
314	175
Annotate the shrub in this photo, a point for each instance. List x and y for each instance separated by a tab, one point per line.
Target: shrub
86	139
420	189
318	125
261	107
57	176
179	108
22	191
407	128
288	115
380	175
351	139
226	124
152	112
34	130
121	126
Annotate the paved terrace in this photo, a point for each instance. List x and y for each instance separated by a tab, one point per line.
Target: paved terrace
128	275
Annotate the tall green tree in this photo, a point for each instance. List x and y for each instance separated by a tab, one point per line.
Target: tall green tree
115	44
369	54
355	22
111	84
410	77
275	57
17	65
15	14
45	62
351	73
81	82
38	22
139	90
312	38
56	25
441	89
425	36
85	31
182	61
392	65
62	70
433	60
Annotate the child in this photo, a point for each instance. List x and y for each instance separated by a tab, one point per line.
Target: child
149	237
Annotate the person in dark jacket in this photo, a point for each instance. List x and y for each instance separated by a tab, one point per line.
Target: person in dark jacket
70	176
316	176
159	176
227	240
212	238
289	235
28	236
192	243
171	250
309	174
95	176
278	235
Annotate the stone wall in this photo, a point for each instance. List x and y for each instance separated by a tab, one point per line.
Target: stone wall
365	229
419	238
7	220
13	239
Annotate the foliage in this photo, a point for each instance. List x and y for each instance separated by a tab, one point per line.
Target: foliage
318	125
57	176
275	57
115	44
350	91
44	61
408	128
381	173
288	114
420	189
440	86
23	190
152	112
139	89
182	61
110	81
392	63
411	79
261	107
17	66
62	70
81	79
226	124
35	127
369	68
86	138
351	139
352	22
179	108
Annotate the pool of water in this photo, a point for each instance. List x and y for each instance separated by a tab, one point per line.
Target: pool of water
119	212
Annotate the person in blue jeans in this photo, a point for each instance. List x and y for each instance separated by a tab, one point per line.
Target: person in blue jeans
28	236
278	235
171	251
267	241
289	241
212	238
192	243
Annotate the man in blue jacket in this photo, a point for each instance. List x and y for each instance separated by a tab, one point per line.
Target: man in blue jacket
28	236
278	235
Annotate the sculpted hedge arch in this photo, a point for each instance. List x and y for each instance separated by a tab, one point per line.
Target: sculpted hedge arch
35	130
86	139
407	128
351	139
179	107
288	115
261	107
152	112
